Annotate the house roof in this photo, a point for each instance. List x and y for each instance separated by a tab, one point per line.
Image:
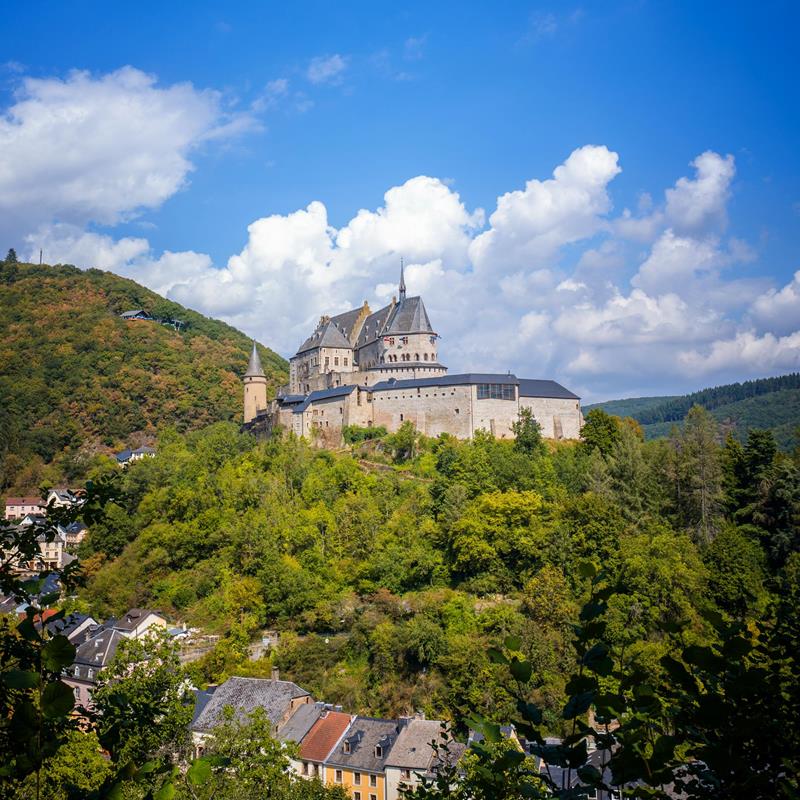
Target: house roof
100	649
323	394
133	618
144	451
245	695
24	501
363	736
136	312
201	698
300	723
324	735
413	750
530	387
123	455
254	368
409	316
67	626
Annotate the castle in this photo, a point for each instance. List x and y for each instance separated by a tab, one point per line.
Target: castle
381	368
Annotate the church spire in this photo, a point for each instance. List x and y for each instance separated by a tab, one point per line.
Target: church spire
402	282
254	368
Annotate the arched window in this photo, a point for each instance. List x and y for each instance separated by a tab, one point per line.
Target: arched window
416	356
426	356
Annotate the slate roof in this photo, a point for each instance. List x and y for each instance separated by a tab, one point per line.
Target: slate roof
123	455
409	316
345	322
68	625
374	325
324	735
245	695
444	380
24	501
412	749
100	649
132	618
529	387
324	394
364	734
326	335
201	698
300	723
254	368
136	312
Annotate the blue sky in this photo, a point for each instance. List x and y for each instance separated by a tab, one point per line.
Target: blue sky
290	105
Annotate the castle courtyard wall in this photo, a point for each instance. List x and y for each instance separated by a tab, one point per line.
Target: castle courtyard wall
560	418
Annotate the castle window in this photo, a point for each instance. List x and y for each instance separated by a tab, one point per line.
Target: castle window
426	356
457	411
416	356
336	361
401	418
327	361
496	391
345	362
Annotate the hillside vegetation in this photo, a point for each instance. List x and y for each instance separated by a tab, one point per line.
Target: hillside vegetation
77	380
766	403
388	585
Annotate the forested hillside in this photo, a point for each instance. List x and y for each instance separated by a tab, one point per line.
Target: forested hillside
389	582
771	403
77	380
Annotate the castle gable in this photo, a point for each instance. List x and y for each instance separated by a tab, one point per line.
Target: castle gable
327	334
374	325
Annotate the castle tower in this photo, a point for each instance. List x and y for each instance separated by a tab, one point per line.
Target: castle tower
402	282
255	387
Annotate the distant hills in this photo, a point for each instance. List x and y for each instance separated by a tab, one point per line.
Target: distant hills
77	379
772	403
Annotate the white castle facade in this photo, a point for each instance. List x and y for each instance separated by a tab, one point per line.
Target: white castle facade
381	368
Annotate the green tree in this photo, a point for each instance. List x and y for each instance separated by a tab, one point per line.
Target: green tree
11	256
736	572
600	431
527	433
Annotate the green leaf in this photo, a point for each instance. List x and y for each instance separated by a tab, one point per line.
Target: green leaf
592	610
513	643
737	647
58	700
703	657
21	679
166	792
598	660
577	705
587	569
590	775
496	656
521	670
47	599
530	712
58	653
199	772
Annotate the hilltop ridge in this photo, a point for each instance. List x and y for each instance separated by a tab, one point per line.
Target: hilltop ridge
77	380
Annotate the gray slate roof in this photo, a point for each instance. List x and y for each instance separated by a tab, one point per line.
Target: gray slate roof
374	325
529	387
364	734
245	695
129	621
323	394
345	322
412	749
100	649
299	724
409	316
254	368
326	335
465	379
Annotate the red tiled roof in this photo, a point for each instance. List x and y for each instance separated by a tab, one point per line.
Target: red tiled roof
324	734
24	501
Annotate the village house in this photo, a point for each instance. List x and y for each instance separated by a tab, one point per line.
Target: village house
128	456
382	369
20	507
278	699
322	739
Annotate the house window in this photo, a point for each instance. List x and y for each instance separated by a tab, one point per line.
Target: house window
405	774
373	797
338	777
356	795
373	779
346	747
90	673
357	778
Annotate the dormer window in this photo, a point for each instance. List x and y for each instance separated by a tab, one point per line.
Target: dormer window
346	747
379	748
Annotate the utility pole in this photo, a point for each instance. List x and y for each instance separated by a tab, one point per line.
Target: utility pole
40	256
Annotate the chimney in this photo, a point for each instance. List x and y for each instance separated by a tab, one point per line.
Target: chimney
276	674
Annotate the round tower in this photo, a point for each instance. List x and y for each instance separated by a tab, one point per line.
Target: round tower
255	387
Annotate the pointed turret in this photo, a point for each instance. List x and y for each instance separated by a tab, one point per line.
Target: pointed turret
254	368
402	282
255	387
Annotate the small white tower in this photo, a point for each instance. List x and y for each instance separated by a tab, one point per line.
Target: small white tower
255	387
